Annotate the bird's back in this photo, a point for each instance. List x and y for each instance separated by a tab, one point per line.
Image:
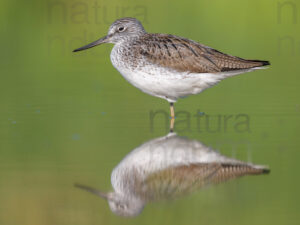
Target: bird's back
184	55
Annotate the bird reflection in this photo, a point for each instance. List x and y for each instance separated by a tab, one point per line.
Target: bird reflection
166	168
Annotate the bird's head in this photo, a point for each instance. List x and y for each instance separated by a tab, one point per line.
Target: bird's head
121	30
119	204
123	206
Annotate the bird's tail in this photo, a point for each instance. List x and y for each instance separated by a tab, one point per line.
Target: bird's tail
260	63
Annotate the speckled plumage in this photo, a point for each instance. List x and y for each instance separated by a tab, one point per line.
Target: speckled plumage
168	66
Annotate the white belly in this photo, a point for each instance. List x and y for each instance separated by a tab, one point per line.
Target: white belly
167	86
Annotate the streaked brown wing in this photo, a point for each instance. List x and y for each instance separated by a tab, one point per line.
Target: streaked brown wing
185	55
173	182
177	181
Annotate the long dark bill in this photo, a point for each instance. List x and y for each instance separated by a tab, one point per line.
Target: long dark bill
93	191
93	44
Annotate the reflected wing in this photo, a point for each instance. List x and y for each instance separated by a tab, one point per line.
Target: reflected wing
181	180
185	55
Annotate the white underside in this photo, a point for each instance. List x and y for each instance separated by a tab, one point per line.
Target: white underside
171	85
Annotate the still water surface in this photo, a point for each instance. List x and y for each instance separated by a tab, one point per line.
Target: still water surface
46	156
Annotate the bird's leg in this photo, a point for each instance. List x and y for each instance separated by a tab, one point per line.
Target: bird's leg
172	116
172	110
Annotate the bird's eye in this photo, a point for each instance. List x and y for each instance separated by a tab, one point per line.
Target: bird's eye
122	206
121	29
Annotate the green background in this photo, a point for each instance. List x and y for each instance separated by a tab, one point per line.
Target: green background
67	118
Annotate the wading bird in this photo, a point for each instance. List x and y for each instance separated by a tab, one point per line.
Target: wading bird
168	66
